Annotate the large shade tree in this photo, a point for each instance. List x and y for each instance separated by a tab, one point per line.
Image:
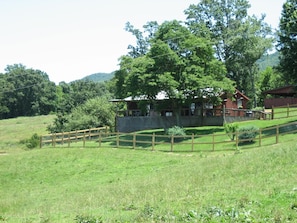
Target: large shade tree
178	63
287	42
26	92
239	39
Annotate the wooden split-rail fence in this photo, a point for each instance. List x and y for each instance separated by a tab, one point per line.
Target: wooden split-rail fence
73	136
102	137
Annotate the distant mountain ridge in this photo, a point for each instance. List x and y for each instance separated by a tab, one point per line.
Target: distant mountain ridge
269	60
99	77
265	61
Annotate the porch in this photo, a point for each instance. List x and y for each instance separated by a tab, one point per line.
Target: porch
282	96
136	120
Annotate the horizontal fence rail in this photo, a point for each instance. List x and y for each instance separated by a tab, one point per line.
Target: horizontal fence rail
73	136
287	111
102	137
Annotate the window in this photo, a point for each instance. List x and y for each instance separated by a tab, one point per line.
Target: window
239	103
208	105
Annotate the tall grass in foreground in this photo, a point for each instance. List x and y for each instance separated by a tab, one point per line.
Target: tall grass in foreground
119	185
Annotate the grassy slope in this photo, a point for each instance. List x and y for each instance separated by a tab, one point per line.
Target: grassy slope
56	185
12	131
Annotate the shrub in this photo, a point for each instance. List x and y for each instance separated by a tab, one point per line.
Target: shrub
93	113
230	129
33	142
2	218
248	133
176	131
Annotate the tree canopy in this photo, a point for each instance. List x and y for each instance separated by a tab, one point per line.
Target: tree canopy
178	63
25	92
287	41
95	112
78	92
239	40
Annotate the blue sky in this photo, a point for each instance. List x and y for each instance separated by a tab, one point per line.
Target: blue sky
69	39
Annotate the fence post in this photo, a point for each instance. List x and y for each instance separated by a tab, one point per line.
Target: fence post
54	140
69	139
100	138
52	135
40	142
134	140
260	137
172	142
277	133
84	139
118	139
192	142
63	138
153	142
236	135
272	112
288	110
213	141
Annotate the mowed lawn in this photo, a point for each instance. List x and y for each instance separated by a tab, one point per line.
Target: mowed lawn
124	185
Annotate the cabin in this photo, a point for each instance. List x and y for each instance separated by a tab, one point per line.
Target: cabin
282	96
142	113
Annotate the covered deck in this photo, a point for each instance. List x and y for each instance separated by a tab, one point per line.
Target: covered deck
283	96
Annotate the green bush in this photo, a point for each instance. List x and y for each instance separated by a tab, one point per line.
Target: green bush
230	129
175	131
95	112
33	142
248	133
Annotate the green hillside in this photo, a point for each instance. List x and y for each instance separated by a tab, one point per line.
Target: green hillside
270	60
125	185
99	77
263	62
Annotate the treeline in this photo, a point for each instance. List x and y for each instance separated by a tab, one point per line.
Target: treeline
28	92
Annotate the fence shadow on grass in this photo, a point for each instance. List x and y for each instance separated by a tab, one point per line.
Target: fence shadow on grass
204	131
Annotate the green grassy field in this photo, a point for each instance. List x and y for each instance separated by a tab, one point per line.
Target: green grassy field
12	131
124	185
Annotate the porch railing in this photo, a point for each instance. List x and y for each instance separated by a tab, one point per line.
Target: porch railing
198	112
